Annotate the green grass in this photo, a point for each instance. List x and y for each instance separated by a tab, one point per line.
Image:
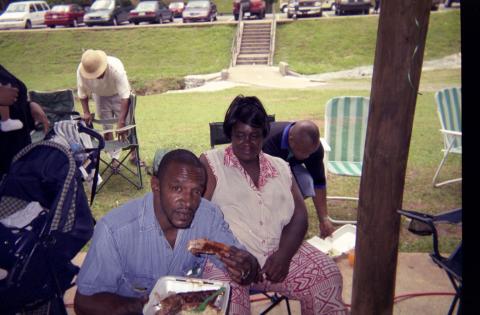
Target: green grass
150	54
49	60
325	45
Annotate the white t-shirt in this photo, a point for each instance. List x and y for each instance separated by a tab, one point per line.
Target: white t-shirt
114	81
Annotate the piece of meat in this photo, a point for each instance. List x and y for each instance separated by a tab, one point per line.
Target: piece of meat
175	303
205	246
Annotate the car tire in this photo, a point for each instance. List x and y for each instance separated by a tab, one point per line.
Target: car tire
235	16
114	21
289	16
136	23
171	18
28	24
183	21
51	26
284	9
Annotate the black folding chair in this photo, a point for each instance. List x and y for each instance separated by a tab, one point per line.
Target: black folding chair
58	105
217	136
129	144
274	298
424	224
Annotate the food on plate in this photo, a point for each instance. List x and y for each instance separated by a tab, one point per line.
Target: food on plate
205	246
195	302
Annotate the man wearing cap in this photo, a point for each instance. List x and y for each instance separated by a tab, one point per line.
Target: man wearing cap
298	143
105	79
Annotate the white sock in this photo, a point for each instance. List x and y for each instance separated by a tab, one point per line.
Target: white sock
10	125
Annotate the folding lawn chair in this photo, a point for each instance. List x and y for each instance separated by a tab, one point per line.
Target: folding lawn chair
129	144
217	136
57	105
346	120
449	108
424	224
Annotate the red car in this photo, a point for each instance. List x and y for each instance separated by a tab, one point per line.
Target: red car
64	14
249	8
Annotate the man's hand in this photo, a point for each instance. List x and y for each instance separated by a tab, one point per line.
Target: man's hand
88	117
326	228
8	95
242	266
39	116
276	267
121	134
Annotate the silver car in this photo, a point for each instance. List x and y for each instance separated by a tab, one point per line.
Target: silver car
199	10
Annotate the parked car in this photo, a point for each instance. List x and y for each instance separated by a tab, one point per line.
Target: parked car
23	14
305	8
352	6
199	10
150	11
108	12
64	14
176	8
249	8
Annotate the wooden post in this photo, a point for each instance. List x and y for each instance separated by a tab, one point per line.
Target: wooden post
396	75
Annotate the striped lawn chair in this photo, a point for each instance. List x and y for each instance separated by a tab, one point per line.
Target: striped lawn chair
449	108
345	130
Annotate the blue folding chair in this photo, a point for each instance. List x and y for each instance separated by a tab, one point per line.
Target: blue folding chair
424	224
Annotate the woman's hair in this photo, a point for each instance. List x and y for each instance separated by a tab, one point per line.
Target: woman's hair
248	110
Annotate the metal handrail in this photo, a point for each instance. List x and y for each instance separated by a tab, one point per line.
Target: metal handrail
237	39
272	36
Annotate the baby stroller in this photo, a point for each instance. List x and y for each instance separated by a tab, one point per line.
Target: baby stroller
45	219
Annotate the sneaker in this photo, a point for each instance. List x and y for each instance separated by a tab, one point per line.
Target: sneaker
10	125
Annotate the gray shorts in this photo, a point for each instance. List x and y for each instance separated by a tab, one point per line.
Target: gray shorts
108	107
304	180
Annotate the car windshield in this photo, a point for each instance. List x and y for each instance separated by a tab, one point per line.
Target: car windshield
60	8
197	4
146	5
16	7
102	4
176	5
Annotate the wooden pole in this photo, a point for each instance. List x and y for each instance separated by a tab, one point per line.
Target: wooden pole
401	38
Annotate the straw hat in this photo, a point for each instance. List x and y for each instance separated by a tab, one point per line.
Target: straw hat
93	64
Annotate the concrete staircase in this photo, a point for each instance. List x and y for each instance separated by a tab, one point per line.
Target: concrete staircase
255	43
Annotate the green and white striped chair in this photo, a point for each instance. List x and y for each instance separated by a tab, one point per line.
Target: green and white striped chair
346	120
449	108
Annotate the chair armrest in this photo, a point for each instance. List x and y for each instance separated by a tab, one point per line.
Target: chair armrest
452	216
103	132
325	145
423	217
451	132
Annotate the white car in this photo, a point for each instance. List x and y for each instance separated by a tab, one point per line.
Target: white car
24	14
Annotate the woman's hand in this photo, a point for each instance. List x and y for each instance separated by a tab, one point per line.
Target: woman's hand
8	95
242	266
39	116
276	267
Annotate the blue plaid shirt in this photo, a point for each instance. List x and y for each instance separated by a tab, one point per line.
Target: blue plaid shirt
129	251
